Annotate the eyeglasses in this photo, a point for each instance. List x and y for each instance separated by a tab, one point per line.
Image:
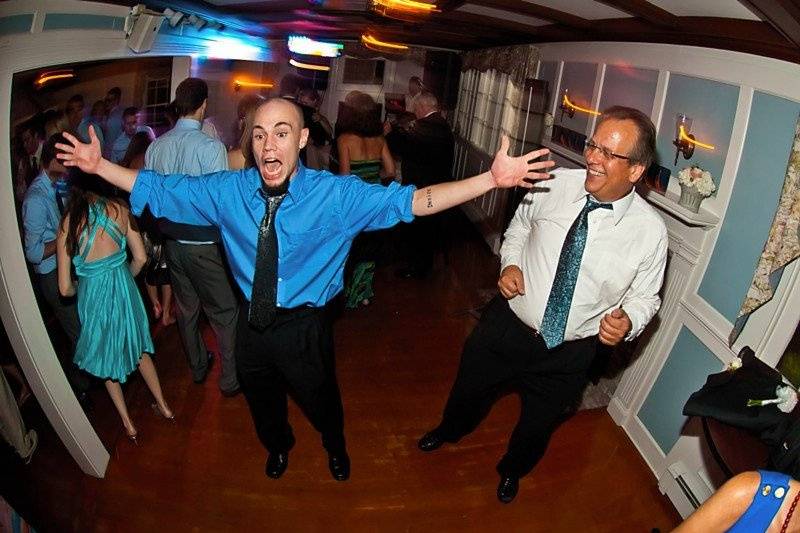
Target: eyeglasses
605	152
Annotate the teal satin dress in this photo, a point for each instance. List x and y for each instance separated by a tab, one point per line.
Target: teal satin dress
114	326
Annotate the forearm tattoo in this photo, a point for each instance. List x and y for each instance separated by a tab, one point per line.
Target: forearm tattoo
429	197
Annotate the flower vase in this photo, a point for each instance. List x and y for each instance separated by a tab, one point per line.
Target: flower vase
690	198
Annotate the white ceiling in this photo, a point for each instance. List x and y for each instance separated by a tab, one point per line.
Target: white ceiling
502	14
588	9
706	8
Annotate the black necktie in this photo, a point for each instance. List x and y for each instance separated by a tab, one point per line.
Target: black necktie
265	281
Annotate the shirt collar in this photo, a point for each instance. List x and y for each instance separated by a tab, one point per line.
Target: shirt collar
187	124
620	206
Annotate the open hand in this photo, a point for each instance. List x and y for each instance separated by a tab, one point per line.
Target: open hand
511	282
86	157
510	171
614	327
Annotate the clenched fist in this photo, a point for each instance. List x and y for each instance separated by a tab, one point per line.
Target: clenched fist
511	282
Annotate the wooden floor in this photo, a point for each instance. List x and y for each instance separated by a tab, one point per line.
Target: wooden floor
396	361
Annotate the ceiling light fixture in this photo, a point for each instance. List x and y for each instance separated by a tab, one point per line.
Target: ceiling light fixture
299	44
174	17
373	43
196	21
309	66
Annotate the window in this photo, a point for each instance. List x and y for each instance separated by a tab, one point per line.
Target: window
156	100
363	71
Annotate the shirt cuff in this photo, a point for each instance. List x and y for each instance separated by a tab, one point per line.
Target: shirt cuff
140	194
406	211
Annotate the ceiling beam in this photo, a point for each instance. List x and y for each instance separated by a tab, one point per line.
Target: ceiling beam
645	10
783	15
535	10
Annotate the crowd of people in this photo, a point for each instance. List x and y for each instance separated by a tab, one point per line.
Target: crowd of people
262	239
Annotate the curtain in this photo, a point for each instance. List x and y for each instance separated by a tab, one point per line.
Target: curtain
782	246
490	94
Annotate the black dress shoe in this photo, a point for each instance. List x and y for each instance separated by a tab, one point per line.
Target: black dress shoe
430	441
339	466
231	392
276	464
507	488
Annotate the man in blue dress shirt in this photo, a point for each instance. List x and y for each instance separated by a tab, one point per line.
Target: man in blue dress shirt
41	214
319	215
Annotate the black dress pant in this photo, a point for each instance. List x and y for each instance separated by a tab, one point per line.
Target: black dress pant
503	352
293	355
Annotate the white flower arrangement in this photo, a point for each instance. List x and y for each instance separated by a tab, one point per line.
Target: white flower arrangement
698	179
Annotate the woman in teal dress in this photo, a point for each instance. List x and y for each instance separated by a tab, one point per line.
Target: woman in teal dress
363	152
94	236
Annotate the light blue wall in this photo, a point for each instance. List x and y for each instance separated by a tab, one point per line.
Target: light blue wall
579	78
712	106
759	181
686	369
628	86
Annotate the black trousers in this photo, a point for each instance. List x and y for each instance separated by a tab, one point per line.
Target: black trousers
503	352
293	355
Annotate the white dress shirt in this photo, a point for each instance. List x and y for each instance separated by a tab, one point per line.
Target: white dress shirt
623	262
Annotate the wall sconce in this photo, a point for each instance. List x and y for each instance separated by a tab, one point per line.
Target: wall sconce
46	77
238	84
569	108
685	142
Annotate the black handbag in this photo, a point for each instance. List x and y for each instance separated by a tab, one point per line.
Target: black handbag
157	272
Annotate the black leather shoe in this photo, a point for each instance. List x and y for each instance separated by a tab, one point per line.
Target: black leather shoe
339	466
231	392
507	489
430	441
276	464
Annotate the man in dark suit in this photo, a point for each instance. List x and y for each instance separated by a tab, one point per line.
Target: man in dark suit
426	150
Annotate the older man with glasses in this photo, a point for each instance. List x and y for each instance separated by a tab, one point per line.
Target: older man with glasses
582	262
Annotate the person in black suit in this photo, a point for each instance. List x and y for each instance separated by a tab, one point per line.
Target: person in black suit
426	150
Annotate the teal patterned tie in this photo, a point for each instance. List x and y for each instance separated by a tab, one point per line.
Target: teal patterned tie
569	263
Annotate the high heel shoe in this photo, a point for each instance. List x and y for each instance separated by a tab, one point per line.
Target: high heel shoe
133	437
170	418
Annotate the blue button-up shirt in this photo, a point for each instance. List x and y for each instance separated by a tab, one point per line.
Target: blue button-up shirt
40	219
186	149
315	224
120	146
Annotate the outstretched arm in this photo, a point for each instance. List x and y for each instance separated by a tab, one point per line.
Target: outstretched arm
89	158
506	172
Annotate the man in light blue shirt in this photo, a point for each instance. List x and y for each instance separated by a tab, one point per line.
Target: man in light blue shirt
95	118
314	223
40	218
113	117
130	127
197	268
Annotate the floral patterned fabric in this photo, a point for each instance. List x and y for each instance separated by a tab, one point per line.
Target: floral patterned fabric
519	62
782	246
